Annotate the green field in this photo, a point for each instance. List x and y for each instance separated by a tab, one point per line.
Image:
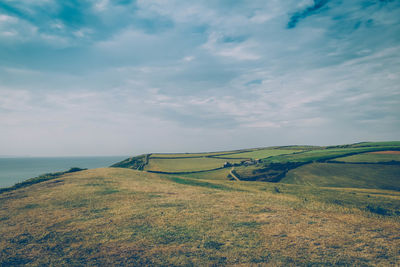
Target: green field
388	144
346	175
322	154
370	157
186	164
190	155
262	153
314	213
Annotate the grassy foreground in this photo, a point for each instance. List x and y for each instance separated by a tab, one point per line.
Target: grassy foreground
115	216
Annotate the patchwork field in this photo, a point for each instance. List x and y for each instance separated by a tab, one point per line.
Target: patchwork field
195	162
315	212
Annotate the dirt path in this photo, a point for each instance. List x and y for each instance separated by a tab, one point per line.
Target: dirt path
233	175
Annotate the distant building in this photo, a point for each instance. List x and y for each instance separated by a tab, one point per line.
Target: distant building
227	164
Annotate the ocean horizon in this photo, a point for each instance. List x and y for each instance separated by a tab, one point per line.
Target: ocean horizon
17	169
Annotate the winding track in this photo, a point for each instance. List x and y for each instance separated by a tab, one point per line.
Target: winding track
233	175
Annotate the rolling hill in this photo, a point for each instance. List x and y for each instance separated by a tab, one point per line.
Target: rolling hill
274	163
337	205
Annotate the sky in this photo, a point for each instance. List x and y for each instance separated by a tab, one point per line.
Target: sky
124	77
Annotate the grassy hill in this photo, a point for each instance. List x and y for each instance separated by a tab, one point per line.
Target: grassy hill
322	212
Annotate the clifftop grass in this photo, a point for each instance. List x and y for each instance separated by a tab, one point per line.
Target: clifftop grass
115	216
320	214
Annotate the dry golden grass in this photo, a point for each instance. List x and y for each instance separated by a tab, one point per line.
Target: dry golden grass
116	216
221	174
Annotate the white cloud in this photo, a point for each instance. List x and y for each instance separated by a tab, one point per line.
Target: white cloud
261	124
57	25
15	100
7	19
8	33
241	51
189	58
101	5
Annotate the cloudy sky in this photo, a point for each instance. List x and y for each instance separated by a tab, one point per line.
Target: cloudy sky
121	77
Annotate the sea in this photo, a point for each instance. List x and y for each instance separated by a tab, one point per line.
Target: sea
18	169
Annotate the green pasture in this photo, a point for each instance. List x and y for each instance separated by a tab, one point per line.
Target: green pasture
389	144
298	147
184	155
374	176
370	157
262	153
322	154
185	164
197	155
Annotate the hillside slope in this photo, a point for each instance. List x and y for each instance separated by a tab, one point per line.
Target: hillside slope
116	216
378	176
